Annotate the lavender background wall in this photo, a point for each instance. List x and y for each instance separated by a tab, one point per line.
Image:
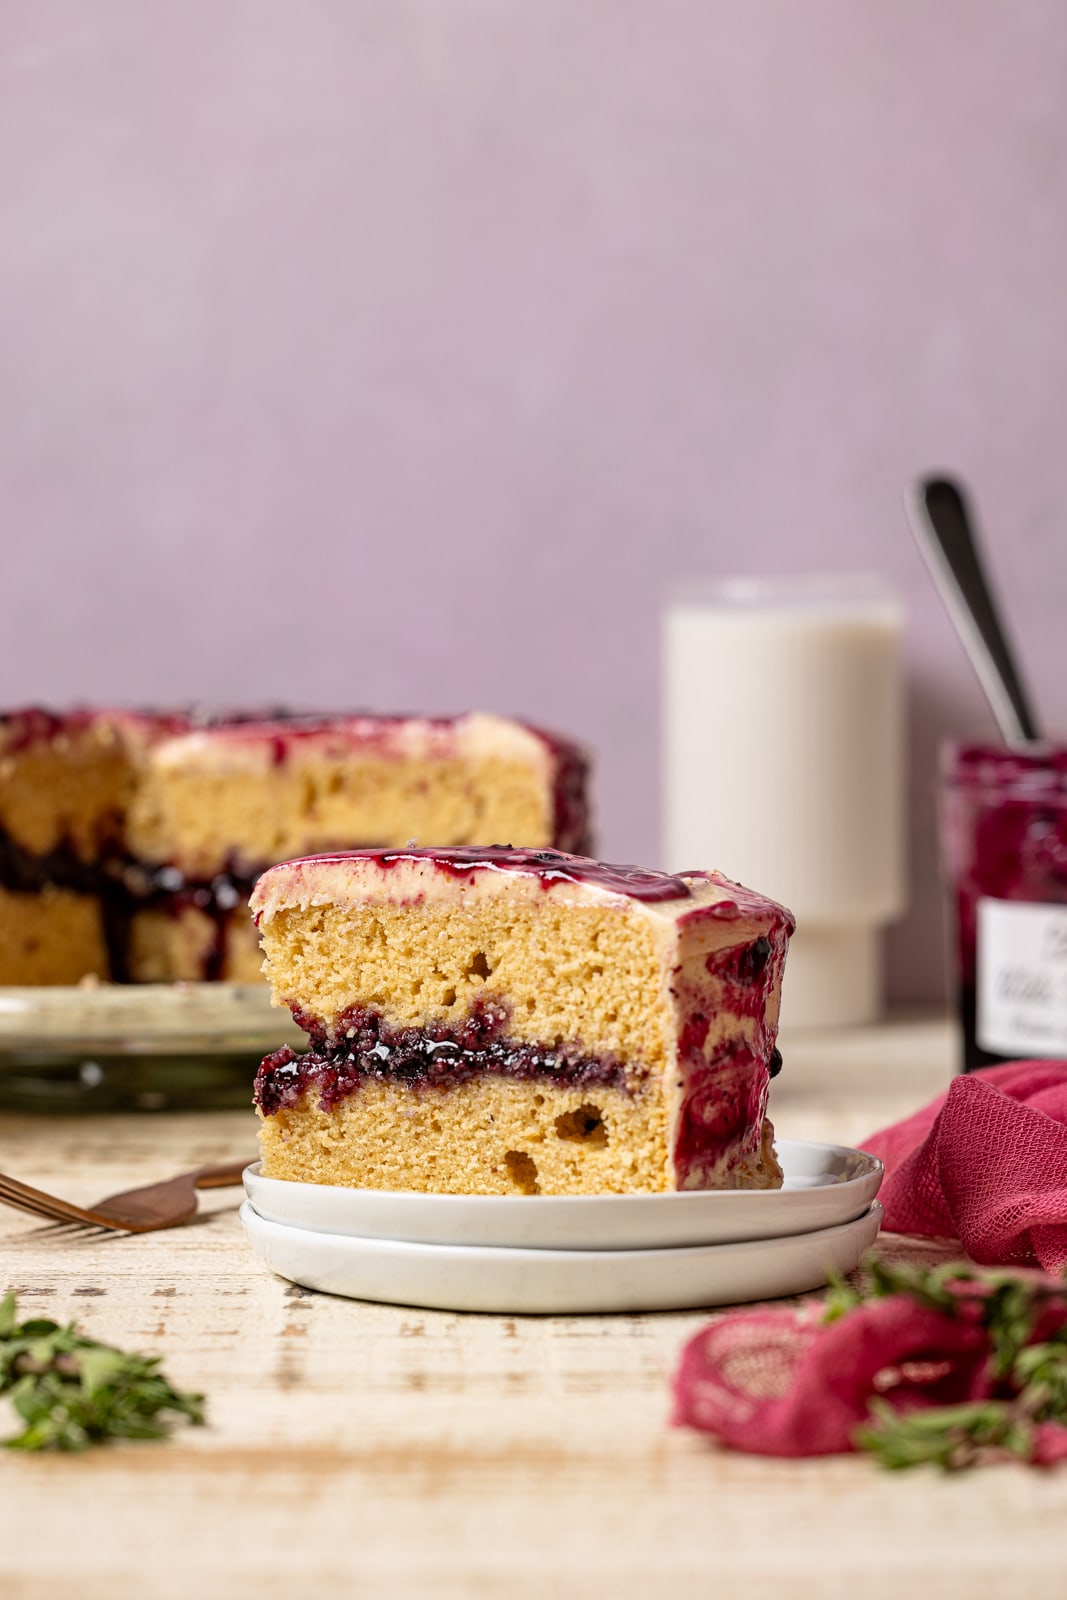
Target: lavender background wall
401	353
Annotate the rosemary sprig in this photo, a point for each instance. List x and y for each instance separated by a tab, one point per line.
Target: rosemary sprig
71	1392
1029	1378
951	1437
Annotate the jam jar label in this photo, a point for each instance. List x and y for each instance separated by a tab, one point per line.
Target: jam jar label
1022	979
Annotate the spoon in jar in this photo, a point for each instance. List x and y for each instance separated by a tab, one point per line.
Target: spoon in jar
944	531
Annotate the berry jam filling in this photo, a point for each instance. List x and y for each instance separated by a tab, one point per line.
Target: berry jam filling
364	1046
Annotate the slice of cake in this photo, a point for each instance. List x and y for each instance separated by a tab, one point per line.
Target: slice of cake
129	841
495	1021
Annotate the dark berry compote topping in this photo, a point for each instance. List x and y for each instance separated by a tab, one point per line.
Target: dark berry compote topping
440	1056
725	1099
571	821
550	866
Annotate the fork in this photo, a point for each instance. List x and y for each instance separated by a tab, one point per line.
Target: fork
143	1210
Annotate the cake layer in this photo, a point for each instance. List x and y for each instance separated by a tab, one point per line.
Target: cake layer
53	936
182	943
429	972
157	816
490	1135
240	796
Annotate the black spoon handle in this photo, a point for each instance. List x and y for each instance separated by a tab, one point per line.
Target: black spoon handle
944	532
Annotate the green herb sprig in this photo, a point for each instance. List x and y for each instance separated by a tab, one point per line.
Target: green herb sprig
1030	1378
72	1392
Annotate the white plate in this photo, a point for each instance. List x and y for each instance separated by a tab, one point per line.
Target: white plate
825	1184
558	1282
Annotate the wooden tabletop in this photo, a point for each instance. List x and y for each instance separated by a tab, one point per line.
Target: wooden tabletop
395	1452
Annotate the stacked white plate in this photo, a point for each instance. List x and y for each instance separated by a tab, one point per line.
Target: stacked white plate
562	1254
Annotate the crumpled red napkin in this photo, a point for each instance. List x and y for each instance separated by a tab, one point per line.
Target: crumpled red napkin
784	1383
985	1163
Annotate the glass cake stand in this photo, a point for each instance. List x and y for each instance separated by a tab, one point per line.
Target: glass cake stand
136	1047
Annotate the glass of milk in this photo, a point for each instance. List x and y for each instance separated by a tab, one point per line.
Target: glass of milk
784	766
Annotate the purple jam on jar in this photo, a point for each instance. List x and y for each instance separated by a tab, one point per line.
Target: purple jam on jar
1004	859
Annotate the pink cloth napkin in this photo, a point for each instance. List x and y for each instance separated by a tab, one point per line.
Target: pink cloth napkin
986	1164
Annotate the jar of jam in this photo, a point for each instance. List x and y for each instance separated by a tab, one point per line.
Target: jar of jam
1003	816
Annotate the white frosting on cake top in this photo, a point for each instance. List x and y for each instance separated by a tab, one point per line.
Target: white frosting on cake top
466	876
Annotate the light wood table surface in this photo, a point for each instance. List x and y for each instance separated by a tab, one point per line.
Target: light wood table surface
393	1452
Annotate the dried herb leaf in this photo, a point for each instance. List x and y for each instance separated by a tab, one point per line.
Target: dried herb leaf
72	1392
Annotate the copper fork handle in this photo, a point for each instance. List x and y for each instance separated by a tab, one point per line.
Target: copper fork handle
220	1177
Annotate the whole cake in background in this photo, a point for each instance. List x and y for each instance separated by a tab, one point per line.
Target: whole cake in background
494	1021
129	841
